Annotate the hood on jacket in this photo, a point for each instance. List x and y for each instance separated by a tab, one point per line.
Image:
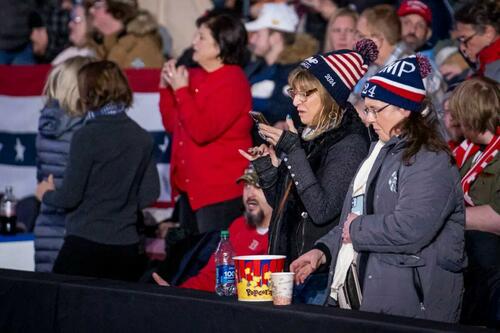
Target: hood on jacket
144	23
54	121
303	47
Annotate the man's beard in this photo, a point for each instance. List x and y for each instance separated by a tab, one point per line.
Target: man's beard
413	42
254	219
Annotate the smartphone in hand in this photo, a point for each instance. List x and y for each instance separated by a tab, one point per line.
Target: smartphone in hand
258	117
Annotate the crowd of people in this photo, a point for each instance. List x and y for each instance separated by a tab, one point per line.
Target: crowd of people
370	160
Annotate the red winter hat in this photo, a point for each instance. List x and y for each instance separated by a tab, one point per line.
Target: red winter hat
415	7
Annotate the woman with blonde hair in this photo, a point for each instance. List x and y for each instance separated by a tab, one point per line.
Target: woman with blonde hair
59	119
307	184
399	247
341	30
111	176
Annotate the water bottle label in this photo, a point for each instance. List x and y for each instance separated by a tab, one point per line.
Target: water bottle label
225	274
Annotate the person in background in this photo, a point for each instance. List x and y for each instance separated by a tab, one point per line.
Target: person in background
416	32
453	133
15	45
341	30
111	176
49	34
60	118
206	109
78	36
314	17
382	24
126	35
247	234
307	184
475	105
416	26
478	32
278	49
399	248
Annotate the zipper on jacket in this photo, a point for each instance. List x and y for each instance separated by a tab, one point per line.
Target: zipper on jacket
302	224
417	282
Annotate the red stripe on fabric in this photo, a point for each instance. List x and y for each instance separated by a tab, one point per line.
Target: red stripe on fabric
30	80
23	80
347	73
400	92
338	71
163	204
355	66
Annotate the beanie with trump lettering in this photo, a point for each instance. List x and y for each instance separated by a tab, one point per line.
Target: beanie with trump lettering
339	71
400	83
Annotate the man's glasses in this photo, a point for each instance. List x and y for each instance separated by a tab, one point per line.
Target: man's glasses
465	40
368	111
303	95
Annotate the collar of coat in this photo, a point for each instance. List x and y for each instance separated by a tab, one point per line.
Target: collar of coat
350	124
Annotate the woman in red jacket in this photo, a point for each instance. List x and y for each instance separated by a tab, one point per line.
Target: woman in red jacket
206	111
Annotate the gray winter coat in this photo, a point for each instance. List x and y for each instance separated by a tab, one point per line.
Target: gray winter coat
55	132
410	238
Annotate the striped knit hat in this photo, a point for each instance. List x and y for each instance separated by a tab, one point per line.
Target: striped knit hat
400	83
339	71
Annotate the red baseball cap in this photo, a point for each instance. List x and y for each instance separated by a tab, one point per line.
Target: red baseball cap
415	7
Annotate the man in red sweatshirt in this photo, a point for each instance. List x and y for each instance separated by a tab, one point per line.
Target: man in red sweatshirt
248	233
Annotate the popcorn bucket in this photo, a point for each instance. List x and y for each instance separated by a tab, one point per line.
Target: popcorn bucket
253	275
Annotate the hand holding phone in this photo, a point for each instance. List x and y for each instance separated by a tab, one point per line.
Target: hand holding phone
258	117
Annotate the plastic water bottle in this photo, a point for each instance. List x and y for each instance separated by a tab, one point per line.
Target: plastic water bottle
8	212
224	267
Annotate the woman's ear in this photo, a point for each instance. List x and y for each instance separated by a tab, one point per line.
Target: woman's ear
405	113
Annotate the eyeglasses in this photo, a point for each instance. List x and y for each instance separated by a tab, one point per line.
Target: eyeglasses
465	40
303	95
76	18
368	111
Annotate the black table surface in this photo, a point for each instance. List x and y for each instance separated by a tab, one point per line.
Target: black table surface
41	302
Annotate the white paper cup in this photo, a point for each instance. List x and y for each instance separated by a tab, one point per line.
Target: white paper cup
282	287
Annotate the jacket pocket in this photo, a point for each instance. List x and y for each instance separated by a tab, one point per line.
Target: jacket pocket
402	260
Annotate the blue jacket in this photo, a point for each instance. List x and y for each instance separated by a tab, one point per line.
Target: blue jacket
55	131
410	237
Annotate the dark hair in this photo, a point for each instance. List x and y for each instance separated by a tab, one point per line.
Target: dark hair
422	131
229	34
480	13
288	37
101	83
122	10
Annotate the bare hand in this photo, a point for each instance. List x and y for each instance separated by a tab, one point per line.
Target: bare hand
307	263
44	186
346	234
176	77
256	152
270	134
449	71
160	281
164	227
